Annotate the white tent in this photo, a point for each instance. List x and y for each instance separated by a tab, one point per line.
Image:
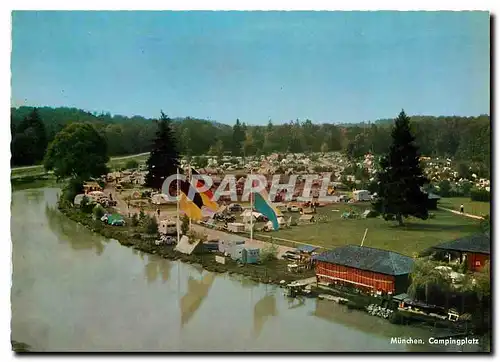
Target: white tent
78	199
281	222
247	213
159	199
185	247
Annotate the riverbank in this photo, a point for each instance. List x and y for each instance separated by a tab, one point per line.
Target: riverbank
269	272
20	347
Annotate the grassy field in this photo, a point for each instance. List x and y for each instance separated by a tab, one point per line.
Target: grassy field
470	207
414	237
119	163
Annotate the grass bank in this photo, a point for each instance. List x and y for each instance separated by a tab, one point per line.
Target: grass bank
415	236
271	272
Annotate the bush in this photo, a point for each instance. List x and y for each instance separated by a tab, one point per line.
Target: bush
142	215
86	205
185	225
150	226
444	188
465	188
485	224
135	220
73	188
98	212
131	164
480	195
269	253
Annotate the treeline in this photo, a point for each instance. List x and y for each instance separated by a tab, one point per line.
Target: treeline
462	138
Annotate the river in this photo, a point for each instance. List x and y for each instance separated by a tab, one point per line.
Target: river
74	290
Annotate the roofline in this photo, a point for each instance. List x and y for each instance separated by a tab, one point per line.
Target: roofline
464	250
350	266
371	247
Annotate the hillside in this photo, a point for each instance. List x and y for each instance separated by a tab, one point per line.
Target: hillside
463	138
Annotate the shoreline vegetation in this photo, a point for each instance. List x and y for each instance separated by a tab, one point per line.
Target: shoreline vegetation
267	272
20	347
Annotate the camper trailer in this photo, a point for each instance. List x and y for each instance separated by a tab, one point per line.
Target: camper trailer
361	195
167	227
236	227
225	246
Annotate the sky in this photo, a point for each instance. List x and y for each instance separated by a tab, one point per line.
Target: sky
255	66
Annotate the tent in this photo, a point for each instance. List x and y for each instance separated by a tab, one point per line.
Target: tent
306	218
184	246
78	199
222	209
97	194
281	222
369	213
159	199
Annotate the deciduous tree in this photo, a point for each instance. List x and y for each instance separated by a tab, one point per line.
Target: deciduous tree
78	151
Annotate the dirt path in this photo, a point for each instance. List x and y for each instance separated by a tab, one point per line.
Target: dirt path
462	214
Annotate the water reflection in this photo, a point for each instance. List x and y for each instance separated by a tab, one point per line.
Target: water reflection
243	281
297	302
36	195
68	231
197	292
155	267
264	308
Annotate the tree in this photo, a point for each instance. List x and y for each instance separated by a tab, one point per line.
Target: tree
72	188
29	140
444	188
464	171
200	162
424	275
150	225
163	160
324	147
185	225
186	142
78	151
217	149
479	283
485	224
400	178
238	138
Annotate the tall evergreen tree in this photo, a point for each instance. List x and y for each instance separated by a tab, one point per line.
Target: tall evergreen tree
29	142
238	138
400	180
163	160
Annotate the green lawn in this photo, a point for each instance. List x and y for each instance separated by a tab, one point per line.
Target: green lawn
113	164
414	237
116	164
24	172
470	207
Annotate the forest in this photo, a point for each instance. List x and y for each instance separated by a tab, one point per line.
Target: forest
464	139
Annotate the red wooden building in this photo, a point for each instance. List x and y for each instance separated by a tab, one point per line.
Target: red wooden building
473	249
367	269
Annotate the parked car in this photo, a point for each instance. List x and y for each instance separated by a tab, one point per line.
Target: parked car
235	208
291	255
118	222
